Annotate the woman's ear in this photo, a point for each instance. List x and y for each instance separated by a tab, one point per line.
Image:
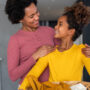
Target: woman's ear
21	21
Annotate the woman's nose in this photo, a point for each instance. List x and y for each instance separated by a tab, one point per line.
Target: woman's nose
37	16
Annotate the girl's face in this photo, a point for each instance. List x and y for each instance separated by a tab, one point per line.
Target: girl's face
62	28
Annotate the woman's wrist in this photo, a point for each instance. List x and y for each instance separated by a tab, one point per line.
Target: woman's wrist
35	56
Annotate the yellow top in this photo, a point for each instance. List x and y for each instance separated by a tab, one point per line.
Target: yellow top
64	66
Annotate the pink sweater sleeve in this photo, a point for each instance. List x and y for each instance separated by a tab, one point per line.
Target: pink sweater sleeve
16	70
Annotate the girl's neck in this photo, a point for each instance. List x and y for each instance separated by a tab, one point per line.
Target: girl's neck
65	45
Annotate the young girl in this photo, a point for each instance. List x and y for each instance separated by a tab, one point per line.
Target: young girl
66	62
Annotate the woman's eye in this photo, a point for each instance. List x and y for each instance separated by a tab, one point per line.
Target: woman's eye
31	16
37	12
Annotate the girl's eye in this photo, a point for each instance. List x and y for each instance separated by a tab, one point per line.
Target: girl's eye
60	24
37	12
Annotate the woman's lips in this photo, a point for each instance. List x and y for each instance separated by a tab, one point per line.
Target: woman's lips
36	22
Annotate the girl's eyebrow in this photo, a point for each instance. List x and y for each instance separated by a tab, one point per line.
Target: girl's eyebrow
60	22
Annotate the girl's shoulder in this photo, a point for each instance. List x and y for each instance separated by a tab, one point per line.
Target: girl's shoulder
81	46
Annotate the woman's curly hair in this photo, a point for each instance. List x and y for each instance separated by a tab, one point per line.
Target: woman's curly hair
15	9
78	15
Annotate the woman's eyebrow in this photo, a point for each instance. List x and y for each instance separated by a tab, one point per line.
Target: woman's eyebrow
34	13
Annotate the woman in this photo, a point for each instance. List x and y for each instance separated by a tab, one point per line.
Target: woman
67	61
30	43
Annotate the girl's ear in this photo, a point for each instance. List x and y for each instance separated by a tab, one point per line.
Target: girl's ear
71	32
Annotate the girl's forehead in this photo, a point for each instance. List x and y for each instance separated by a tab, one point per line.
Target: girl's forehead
62	18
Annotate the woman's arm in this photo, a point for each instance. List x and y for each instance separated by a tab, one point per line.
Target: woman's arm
15	69
86	51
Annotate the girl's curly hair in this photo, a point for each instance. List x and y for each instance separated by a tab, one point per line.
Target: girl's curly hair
78	15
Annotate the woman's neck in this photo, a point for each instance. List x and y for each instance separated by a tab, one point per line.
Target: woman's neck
65	45
29	29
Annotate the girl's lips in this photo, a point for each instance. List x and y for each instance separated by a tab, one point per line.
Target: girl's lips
56	32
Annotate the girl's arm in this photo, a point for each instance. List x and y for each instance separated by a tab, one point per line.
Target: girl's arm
86	62
39	67
36	71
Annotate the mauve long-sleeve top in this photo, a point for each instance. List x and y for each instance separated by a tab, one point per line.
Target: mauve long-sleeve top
21	46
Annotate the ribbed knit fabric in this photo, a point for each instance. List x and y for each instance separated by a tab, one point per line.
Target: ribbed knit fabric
21	46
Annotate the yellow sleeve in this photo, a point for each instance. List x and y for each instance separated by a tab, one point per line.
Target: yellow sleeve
86	61
39	67
24	84
36	71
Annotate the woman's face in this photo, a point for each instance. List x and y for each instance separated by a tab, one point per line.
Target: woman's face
62	28
31	18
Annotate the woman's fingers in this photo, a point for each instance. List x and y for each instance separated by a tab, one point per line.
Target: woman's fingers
86	51
87	46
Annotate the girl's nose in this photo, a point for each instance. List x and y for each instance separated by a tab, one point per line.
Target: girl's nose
56	27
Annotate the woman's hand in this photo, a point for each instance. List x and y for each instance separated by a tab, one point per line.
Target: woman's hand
86	51
42	51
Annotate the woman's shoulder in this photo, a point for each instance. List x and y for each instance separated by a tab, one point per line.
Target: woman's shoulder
14	37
